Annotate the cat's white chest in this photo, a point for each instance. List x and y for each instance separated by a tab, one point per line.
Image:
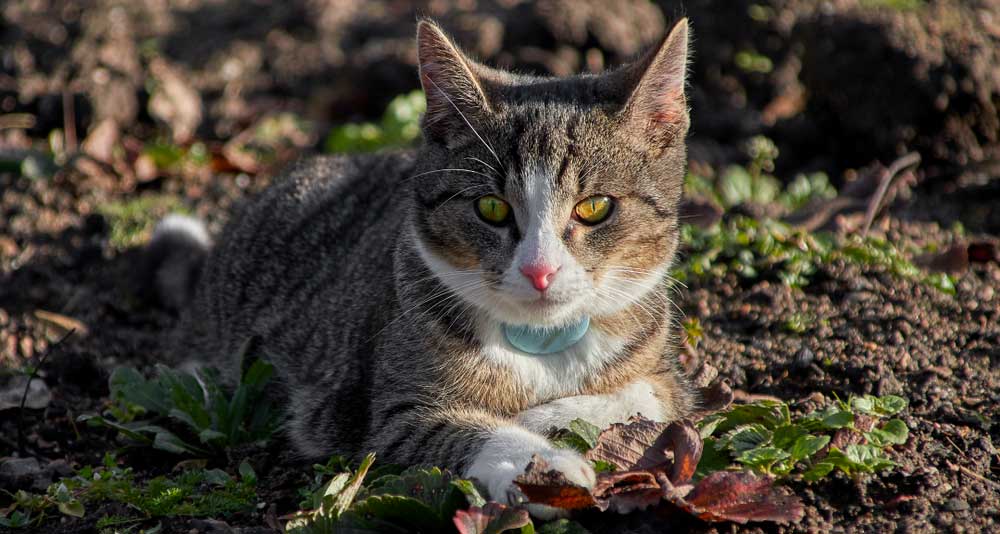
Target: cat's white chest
556	375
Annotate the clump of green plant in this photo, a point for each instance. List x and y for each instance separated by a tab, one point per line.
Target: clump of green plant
750	60
131	221
750	247
399	126
211	419
763	436
413	500
755	184
195	492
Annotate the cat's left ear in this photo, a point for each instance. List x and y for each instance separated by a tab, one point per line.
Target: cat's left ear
656	110
455	97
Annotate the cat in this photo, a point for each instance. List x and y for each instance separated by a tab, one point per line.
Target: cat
452	305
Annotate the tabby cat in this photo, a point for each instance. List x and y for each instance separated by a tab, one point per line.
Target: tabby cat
453	304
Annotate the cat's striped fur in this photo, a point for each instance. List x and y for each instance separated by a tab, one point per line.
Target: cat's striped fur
379	295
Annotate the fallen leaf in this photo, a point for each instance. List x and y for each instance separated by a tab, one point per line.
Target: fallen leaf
174	101
738	496
627	491
543	485
644	444
493	518
100	142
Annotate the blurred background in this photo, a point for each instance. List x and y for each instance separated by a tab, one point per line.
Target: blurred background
147	87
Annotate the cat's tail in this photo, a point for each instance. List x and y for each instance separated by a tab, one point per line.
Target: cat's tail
174	259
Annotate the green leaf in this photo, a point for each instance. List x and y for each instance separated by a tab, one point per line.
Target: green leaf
131	386
217	477
346	496
394	513
818	471
894	432
72	508
258	374
806	446
472	495
770	414
586	431
600	466
837	419
712	460
745	437
165	440
211	437
890	405
431	486
786	435
762	458
247	473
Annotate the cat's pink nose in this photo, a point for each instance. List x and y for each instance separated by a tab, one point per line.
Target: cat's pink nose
540	274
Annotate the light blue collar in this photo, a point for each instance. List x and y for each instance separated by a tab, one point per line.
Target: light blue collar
538	340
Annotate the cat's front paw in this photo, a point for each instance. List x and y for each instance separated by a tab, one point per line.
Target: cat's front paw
506	454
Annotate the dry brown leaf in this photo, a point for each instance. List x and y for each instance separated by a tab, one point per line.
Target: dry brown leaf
543	485
738	496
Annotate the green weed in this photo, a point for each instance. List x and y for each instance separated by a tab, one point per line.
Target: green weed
764	437
399	127
210	418
195	493
131	221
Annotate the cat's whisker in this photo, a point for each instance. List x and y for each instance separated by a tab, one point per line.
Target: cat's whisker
442	294
466	120
449	199
487	165
450	169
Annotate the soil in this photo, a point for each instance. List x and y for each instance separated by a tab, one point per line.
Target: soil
850	85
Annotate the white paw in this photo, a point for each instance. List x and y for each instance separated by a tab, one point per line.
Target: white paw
506	454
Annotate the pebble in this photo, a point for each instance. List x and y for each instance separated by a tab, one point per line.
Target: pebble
804	357
956	505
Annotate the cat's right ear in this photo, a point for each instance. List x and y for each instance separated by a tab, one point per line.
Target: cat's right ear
455	98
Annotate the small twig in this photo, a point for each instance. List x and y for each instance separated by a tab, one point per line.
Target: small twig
906	162
995	485
27	386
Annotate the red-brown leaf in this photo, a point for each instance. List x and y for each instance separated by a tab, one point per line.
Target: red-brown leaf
493	517
734	496
643	445
544	485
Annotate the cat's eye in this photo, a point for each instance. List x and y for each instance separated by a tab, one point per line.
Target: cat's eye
493	209
593	210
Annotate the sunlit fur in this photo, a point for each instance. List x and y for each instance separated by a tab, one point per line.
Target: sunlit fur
380	295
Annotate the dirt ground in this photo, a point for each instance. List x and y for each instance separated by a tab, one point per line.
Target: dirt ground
849	83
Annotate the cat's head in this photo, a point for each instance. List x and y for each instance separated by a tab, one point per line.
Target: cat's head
541	200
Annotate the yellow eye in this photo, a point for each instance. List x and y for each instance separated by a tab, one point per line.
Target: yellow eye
593	210
493	209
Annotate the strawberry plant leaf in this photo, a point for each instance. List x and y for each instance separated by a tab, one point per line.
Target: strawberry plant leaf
806	446
894	432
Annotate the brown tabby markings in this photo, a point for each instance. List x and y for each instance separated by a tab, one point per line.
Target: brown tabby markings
371	283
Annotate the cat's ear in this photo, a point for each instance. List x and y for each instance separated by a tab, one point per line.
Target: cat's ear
656	110
455	98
